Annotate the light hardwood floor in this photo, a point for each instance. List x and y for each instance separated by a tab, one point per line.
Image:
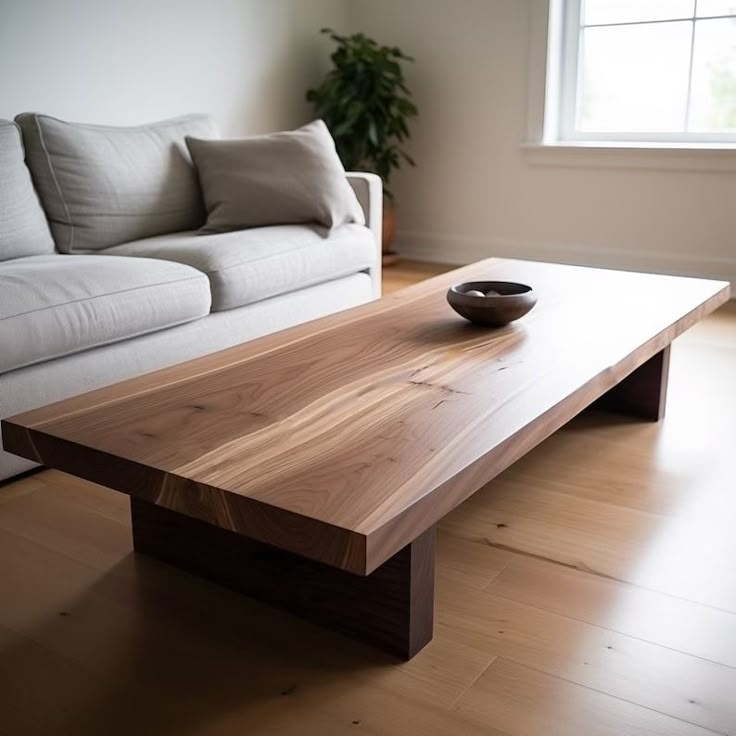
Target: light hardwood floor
588	590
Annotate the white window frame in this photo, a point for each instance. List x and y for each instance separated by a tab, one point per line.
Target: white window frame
563	80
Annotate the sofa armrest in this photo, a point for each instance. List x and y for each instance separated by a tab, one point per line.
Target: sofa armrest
368	189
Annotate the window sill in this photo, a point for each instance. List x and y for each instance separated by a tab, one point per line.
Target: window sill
627	155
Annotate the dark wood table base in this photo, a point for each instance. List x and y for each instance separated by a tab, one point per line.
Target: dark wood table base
643	393
392	608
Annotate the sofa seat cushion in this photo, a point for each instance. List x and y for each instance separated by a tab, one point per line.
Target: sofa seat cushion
23	227
247	266
56	305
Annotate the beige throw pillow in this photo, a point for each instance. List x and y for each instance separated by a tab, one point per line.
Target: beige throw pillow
278	179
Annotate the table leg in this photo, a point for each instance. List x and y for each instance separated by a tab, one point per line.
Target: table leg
392	608
643	393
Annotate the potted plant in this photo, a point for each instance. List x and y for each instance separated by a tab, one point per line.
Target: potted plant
366	105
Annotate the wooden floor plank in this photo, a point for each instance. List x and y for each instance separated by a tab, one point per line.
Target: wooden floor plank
476	565
521	700
88	496
44	694
48	519
409	272
671	622
146	610
580	533
687	553
22	487
646	674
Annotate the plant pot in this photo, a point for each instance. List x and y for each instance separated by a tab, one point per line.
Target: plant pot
389	256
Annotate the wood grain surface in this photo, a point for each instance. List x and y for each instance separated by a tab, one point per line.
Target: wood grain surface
346	438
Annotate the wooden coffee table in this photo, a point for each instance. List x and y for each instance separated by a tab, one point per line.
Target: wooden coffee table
308	468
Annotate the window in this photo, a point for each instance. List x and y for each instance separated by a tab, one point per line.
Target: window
645	70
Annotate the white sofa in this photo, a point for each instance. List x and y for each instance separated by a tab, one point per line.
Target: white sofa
71	322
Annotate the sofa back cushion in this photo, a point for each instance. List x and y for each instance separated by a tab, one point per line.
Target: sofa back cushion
102	185
23	227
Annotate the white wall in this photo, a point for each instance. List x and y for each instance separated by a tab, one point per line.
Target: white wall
248	62
478	193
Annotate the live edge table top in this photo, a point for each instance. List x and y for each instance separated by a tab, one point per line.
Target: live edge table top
345	438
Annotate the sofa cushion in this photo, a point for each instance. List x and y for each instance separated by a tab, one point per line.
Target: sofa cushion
23	227
102	185
249	265
55	305
285	178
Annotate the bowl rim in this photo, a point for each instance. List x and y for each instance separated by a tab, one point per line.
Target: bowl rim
526	289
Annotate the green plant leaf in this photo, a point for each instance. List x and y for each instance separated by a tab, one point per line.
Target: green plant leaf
365	103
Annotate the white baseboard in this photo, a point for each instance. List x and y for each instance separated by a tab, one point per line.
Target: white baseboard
459	249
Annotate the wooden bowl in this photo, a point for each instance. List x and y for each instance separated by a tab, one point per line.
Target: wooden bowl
510	301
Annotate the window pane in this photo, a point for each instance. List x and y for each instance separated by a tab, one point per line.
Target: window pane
716	7
713	95
634	78
627	11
